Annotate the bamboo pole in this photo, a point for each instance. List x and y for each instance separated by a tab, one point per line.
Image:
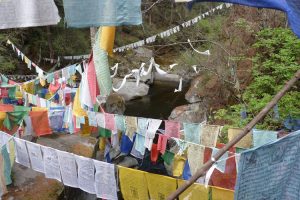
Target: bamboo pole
231	143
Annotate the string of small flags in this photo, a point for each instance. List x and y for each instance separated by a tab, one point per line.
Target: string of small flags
172	30
24	58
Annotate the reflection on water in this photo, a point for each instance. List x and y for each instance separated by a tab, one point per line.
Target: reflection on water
159	102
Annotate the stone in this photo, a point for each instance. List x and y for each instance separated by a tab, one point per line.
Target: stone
130	90
191	113
209	89
29	184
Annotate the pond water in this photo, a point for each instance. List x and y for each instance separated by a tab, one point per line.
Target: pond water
159	102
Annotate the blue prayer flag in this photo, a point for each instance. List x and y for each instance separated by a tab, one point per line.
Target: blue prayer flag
95	13
291	7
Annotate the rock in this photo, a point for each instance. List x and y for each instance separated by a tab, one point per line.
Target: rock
115	104
166	77
209	89
130	91
192	113
83	146
29	184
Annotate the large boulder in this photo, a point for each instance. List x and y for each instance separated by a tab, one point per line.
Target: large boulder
130	90
209	89
191	113
29	184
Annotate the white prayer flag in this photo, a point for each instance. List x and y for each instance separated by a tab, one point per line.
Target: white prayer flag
68	168
21	152
35	156
86	174
105	181
52	169
100	120
20	13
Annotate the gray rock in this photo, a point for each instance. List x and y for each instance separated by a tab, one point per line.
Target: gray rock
192	113
130	91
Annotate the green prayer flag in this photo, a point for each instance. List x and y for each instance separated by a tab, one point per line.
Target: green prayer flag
104	132
168	157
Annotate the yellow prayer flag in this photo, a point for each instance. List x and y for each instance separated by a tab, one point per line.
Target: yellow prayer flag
222	194
77	110
178	165
107	39
42	81
160	187
245	142
29	87
26	60
194	192
133	184
86	129
2	115
39	109
12	154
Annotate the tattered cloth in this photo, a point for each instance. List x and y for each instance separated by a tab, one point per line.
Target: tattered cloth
291	7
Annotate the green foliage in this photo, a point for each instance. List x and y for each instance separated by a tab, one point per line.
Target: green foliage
276	61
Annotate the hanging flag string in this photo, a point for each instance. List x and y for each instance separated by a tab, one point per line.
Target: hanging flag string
172	30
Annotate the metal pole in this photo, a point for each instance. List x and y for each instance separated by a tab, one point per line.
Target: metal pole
231	143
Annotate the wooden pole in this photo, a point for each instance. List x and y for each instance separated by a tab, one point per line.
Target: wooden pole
235	140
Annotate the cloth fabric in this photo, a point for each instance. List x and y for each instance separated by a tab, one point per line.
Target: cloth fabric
261	137
102	66
245	142
209	135
162	143
28	14
166	186
192	132
133	184
153	125
77	109
178	165
172	129
195	154
291	7
221	164
85	95
221	193
92	118
96	13
154	153
6	165
126	144
105	133
3	189
139	143
168	157
142	126
194	192
131	126
13	119
263	170
12	153
107	39
7	108
110	121
226	179
56	118
120	122
186	174
40	122
92	80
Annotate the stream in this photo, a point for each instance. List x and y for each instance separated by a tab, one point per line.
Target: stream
159	102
